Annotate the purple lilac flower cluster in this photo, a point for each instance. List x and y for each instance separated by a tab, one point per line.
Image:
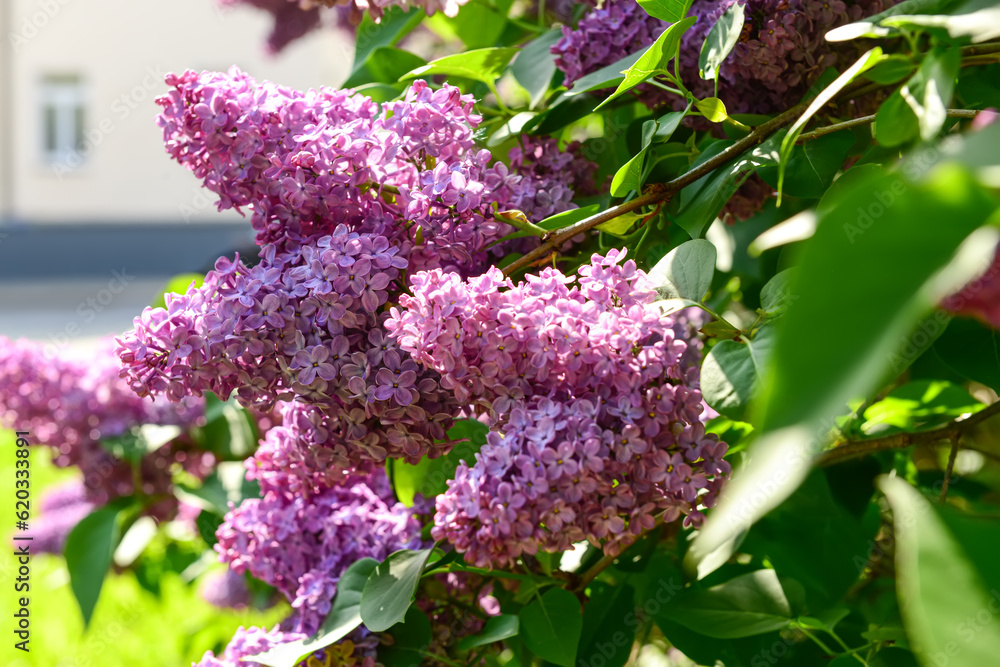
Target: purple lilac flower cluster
599	414
72	402
346	197
225	589
550	178
254	641
300	543
781	52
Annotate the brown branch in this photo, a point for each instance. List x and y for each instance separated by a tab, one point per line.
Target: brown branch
864	120
950	432
952	455
660	192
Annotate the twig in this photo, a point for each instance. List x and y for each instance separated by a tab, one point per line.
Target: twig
659	192
864	120
949	469
950	432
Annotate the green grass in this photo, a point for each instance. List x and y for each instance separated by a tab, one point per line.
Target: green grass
130	627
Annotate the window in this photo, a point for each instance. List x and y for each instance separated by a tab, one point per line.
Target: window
62	118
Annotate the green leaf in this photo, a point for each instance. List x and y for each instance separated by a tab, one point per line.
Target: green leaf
410	639
892	69
928	93
534	66
920	404
837	341
606	77
972	350
731	372
895	122
179	284
865	62
812	166
385	65
946	577
812	521
776	295
495	629
480	24
227	484
720	41
88	552
344	617
430	477
980	24
667	124
629	177
606	630
395	25
712	108
686	271
621	224
484	65
228	431
551	626
870	26
653	60
390	589
746	605
670	11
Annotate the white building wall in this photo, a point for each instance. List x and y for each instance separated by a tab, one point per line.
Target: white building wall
121	49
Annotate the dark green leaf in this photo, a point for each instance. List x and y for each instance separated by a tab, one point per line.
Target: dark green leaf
395	25
496	629
776	296
892	69
812	165
686	271
227	484
534	66
606	628
865	62
929	91
551	626
390	589
731	372
720	41
629	177
385	65
749	604
344	617
895	122
89	548
410	639
972	350
480	24
947	577
606	77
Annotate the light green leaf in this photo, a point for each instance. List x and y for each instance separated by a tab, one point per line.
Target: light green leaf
621	224
712	108
344	617
385	65
868	60
534	66
629	176
686	271
720	41
551	626
946	577
919	404
390	589
484	65
895	122
495	629
653	60
670	11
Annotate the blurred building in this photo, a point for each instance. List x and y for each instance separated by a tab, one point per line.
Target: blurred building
78	79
